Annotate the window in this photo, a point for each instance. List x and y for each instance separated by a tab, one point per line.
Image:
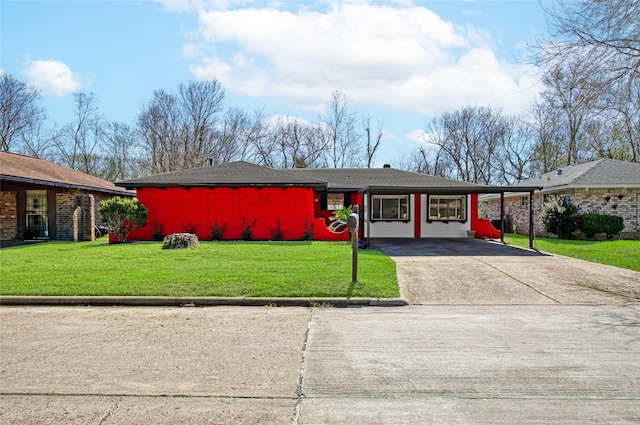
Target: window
524	201
335	201
390	207
447	208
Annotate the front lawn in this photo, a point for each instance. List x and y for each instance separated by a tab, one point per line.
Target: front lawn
619	253
232	269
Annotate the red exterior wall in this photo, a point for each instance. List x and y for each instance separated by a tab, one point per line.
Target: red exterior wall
196	210
482	226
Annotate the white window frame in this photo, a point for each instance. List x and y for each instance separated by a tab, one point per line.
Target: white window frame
443	203
377	209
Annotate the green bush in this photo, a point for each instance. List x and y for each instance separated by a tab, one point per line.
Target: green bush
593	223
123	215
217	231
247	234
561	217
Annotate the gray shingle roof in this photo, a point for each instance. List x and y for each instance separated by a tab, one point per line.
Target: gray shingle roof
359	178
603	172
246	174
26	169
228	174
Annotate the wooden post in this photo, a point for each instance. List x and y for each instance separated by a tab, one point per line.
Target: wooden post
354	255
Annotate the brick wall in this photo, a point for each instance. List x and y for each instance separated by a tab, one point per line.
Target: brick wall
8	215
66	230
620	202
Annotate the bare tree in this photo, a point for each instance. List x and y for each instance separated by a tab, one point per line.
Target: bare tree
372	145
161	127
590	64
545	123
122	156
201	101
573	89
339	133
79	142
20	116
179	131
291	143
606	33
517	149
237	135
469	139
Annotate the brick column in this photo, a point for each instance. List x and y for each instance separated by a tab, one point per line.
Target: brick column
86	220
8	215
65	209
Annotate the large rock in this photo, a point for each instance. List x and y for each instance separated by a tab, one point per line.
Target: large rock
180	240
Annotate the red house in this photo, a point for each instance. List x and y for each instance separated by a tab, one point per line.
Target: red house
239	195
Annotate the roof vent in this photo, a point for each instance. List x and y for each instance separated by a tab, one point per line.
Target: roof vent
386	166
559	171
209	161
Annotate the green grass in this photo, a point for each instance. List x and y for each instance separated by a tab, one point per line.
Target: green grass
619	253
234	269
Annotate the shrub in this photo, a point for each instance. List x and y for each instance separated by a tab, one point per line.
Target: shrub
593	223
276	232
246	229
157	233
217	231
561	217
191	227
307	235
123	215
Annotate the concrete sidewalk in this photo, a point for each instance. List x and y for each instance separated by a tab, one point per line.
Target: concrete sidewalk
248	365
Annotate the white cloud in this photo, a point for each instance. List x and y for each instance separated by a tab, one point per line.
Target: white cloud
53	77
401	57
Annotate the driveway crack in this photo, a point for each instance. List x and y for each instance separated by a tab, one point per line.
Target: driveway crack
517	280
299	394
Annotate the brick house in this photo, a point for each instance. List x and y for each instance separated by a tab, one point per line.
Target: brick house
40	200
605	186
393	203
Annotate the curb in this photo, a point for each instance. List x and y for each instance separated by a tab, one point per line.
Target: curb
199	301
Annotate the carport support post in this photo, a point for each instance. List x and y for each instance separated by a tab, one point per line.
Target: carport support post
531	231
502	217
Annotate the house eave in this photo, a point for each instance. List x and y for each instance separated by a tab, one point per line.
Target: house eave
441	190
63	185
219	185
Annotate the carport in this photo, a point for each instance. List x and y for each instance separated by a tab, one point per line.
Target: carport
478	189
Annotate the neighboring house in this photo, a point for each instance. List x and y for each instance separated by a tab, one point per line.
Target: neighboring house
393	203
43	200
605	186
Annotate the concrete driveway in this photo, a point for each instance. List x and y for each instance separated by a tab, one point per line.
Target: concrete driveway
480	272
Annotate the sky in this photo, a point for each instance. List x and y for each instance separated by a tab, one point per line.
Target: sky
401	62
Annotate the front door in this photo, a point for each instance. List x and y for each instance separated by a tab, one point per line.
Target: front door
36	223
